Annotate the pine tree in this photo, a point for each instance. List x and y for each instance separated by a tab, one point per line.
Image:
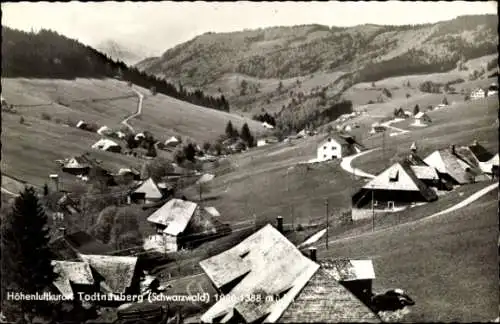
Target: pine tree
416	110
26	258
45	189
445	101
246	135
229	129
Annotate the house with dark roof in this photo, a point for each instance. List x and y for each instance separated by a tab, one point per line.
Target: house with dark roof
147	192
397	186
77	165
425	173
73	277
456	166
115	274
339	292
181	224
337	146
287	287
486	161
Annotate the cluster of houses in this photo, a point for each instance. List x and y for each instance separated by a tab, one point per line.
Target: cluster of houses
482	93
414	180
337	146
288	286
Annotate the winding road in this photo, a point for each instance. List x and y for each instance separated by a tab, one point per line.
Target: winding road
346	164
137	113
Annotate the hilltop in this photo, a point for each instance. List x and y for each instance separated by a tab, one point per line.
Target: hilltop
297	70
119	52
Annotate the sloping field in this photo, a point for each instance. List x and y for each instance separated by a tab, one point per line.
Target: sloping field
81	99
459	124
29	150
448	265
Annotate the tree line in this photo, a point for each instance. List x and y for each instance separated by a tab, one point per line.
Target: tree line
47	54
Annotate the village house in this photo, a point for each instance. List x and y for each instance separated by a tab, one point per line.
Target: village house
71	246
107	145
292	288
425	173
396	187
179	224
172	142
267	141
337	146
486	160
377	128
147	192
452	166
477	93
268	126
421	119
73	277
77	165
104	131
81	124
492	90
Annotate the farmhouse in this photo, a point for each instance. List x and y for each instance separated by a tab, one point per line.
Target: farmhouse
486	160
81	124
337	146
115	274
266	141
421	119
77	165
70	246
492	90
104	130
338	292
377	128
172	142
107	145
178	222
268	126
452	166
292	288
396	186
147	192
72	278
477	93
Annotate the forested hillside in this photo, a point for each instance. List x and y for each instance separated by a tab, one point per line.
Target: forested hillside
47	54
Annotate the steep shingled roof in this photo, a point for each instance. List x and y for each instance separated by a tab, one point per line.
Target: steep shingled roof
150	188
324	300
71	272
117	271
403	179
175	215
266	263
444	161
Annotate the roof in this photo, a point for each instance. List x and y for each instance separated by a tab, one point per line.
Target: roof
349	270
342	139
175	215
172	140
425	172
324	300
467	156
150	188
71	273
421	114
212	211
103	129
405	180
414	159
117	271
80	123
205	178
104	144
480	152
77	162
447	163
267	264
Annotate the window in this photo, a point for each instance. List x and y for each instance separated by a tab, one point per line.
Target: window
390	204
329	140
324	147
393	176
324	155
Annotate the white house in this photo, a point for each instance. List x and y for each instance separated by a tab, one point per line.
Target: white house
107	145
492	89
268	126
81	124
337	146
172	141
104	130
266	141
477	93
421	119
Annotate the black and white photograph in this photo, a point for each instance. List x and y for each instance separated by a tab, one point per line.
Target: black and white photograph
249	162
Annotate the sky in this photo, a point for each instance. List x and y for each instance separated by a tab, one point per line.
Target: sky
153	27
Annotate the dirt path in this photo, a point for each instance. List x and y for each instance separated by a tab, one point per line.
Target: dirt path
137	113
398	130
346	164
9	192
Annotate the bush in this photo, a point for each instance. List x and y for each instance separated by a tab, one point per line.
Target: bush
46	116
299	228
21	120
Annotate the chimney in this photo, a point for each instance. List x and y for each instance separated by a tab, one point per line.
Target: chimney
62	230
279	225
312	254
